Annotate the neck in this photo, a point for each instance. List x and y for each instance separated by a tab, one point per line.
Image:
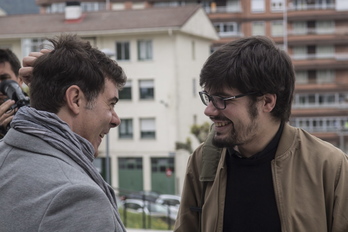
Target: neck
259	141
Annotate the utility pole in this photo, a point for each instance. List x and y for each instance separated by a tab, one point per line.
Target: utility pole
285	26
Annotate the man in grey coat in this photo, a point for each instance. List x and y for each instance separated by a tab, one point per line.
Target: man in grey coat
48	181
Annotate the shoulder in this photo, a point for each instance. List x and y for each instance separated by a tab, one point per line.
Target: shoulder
304	146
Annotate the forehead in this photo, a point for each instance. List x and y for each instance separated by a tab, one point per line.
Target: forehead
224	90
110	89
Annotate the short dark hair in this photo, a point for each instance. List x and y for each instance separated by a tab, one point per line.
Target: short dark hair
252	64
72	61
6	55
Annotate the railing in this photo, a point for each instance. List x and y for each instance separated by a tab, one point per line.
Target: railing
165	213
222	9
311	6
341	56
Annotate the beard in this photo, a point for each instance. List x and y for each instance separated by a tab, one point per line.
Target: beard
239	134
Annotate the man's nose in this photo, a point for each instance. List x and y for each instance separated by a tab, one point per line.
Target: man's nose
210	109
115	121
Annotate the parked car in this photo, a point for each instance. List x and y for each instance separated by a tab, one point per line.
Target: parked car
142	195
149	208
170	201
167	199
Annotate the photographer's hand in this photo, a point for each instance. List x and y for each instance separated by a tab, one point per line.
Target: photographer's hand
26	71
6	115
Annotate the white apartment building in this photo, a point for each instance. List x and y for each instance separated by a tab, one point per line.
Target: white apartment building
162	51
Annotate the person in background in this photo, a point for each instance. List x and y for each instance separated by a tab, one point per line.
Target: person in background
255	172
48	181
9	70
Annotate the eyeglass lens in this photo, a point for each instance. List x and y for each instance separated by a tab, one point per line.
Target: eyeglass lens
217	101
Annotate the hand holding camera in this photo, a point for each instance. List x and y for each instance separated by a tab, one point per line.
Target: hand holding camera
17	99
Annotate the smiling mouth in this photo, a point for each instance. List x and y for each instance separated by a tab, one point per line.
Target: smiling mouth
221	124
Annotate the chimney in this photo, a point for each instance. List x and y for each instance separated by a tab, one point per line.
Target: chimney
73	10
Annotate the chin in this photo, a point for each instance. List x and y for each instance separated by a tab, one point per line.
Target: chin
96	154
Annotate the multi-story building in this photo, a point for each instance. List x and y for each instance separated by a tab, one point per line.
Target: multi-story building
162	51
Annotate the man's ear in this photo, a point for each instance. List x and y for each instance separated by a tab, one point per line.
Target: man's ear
73	97
270	101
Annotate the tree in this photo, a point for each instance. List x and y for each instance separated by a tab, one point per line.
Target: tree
199	131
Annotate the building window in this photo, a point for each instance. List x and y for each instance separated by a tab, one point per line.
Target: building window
301	77
146	89
277	28
193	50
233	6
257	6
277	5
327	51
147	128
32	45
194	87
325	27
125	129
130	163
56	8
258	28
162	165
325	76
299	52
122	51
92	6
321	124
126	92
299	28
144	50
227	29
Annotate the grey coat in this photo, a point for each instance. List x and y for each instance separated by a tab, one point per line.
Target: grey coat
42	189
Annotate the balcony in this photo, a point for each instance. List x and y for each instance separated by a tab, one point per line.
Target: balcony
320	61
222	9
315	6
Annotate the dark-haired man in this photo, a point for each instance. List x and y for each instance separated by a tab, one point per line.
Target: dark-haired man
9	67
48	181
255	172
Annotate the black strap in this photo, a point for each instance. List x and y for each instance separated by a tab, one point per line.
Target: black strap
199	210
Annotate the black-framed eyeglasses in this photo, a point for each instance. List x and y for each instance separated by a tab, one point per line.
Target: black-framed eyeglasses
219	102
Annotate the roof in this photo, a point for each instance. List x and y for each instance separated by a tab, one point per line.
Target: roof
158	18
15	7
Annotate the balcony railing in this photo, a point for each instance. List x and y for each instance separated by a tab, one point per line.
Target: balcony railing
230	34
342	105
318	6
222	9
340	57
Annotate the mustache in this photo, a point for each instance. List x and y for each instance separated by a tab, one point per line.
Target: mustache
221	118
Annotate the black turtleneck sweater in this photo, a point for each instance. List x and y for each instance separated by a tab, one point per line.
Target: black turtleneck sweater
250	203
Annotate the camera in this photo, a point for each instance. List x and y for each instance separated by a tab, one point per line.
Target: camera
13	91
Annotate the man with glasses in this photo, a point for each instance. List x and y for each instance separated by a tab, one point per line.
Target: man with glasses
255	172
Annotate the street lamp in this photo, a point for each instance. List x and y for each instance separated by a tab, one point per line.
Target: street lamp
109	53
